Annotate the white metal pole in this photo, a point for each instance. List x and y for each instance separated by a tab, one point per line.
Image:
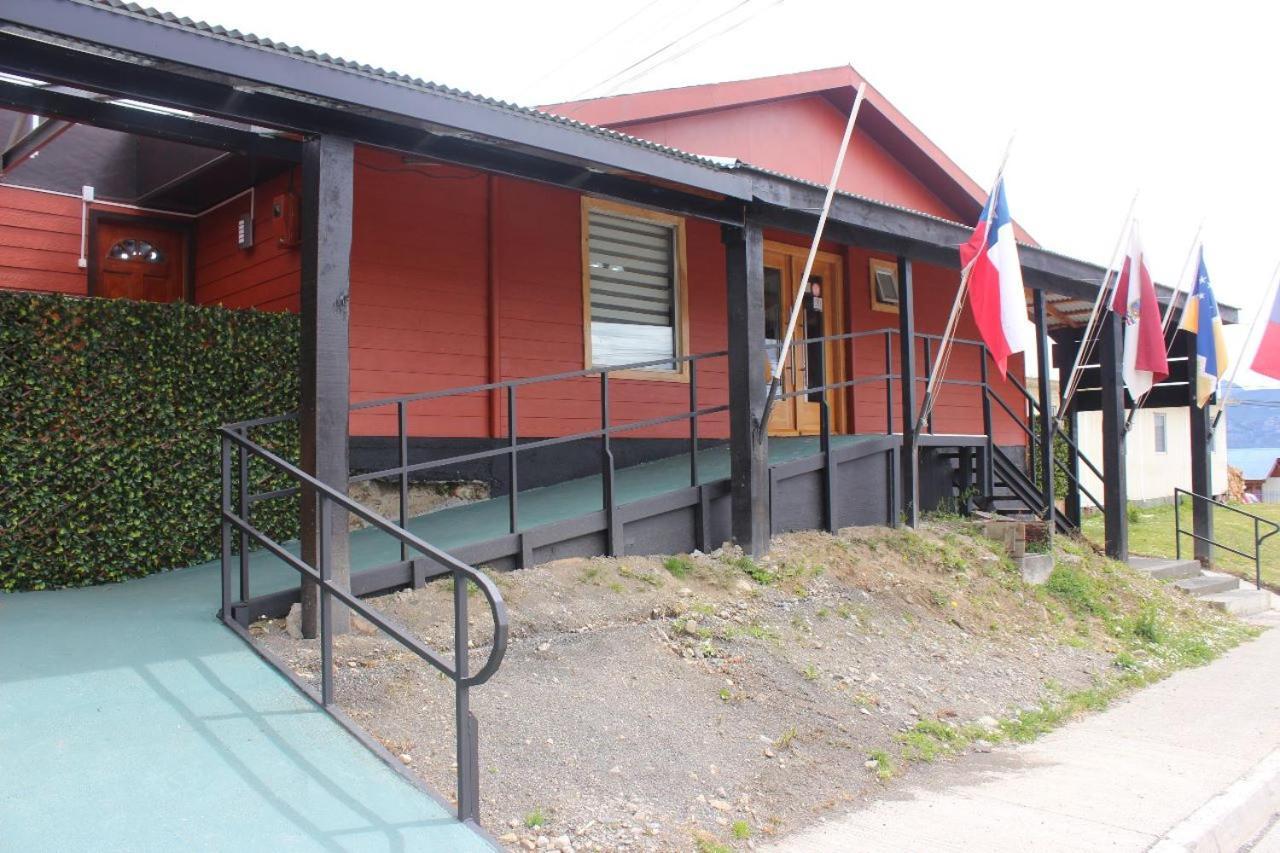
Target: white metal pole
942	359
784	351
1073	378
1168	317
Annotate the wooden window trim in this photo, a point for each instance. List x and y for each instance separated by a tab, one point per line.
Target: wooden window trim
681	286
875	265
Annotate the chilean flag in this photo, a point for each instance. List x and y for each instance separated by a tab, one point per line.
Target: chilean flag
1267	359
995	281
1145	362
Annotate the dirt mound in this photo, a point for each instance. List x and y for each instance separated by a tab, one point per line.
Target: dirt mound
661	703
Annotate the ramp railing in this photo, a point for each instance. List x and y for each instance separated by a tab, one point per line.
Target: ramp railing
1258	536
318	573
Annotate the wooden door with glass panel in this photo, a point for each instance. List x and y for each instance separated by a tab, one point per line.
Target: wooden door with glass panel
820	315
136	258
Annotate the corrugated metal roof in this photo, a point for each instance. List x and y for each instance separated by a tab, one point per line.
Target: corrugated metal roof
249	39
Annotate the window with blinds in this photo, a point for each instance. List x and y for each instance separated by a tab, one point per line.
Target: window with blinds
633	289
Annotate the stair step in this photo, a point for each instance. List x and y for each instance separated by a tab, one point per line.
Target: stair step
1240	602
1166	569
1207	584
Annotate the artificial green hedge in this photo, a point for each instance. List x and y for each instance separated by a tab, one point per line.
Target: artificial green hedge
109	466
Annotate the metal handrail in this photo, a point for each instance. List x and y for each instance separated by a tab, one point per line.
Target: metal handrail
536	380
468	781
1258	536
513	447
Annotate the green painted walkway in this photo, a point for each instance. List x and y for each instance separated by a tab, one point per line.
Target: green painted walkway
131	720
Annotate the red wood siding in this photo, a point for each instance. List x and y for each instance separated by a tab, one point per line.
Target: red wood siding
958	409
40	242
264	277
799	137
420	305
428	242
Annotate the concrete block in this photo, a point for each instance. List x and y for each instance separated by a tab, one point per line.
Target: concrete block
1036	568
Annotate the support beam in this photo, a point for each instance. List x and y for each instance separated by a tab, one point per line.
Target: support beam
105	114
907	357
327	189
1115	488
1201	459
1046	405
748	367
1063	356
29	144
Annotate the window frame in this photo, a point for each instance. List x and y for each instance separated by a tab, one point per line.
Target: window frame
875	265
680	296
1160	421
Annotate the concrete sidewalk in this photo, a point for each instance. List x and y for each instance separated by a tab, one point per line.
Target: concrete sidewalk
1191	763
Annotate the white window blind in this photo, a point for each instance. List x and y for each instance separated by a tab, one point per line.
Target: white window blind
633	290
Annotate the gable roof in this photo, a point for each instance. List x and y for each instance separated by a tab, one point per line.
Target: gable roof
879	119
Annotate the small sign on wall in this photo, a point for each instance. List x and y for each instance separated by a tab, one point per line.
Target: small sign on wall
244	231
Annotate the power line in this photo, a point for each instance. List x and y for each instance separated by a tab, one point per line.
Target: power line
592	44
694	46
662	49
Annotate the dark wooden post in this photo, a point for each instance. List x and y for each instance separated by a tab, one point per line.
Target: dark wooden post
1046	406
1064	353
748	438
1201	458
327	168
1115	488
907	357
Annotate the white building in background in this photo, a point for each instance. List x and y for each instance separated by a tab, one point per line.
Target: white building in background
1157	454
1157	450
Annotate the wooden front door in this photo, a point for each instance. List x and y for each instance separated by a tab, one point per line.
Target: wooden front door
136	258
783	267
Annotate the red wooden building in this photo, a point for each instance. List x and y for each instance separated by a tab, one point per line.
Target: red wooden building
586	298
436	241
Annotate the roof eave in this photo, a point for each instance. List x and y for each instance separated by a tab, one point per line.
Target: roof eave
399	100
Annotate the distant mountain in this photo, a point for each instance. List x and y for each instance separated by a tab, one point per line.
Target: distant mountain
1253	418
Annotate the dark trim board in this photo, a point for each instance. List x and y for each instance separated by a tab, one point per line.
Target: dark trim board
544	466
867	480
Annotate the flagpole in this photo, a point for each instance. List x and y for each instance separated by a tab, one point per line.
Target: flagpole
1235	368
948	334
1168	316
1086	347
784	351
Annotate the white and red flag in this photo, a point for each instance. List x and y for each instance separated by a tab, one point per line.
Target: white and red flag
995	280
1145	363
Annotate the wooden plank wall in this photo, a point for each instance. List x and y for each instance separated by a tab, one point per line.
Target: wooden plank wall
40	242
264	277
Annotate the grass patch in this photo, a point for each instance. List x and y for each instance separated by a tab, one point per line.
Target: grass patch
1152	532
1077	590
642	577
740	829
885	768
680	565
704	843
535	819
785	740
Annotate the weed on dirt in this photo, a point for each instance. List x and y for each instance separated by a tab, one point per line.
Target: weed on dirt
714	701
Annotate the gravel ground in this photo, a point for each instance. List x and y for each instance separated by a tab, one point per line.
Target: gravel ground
643	707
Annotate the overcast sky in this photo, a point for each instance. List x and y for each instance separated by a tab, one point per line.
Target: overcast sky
1175	100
